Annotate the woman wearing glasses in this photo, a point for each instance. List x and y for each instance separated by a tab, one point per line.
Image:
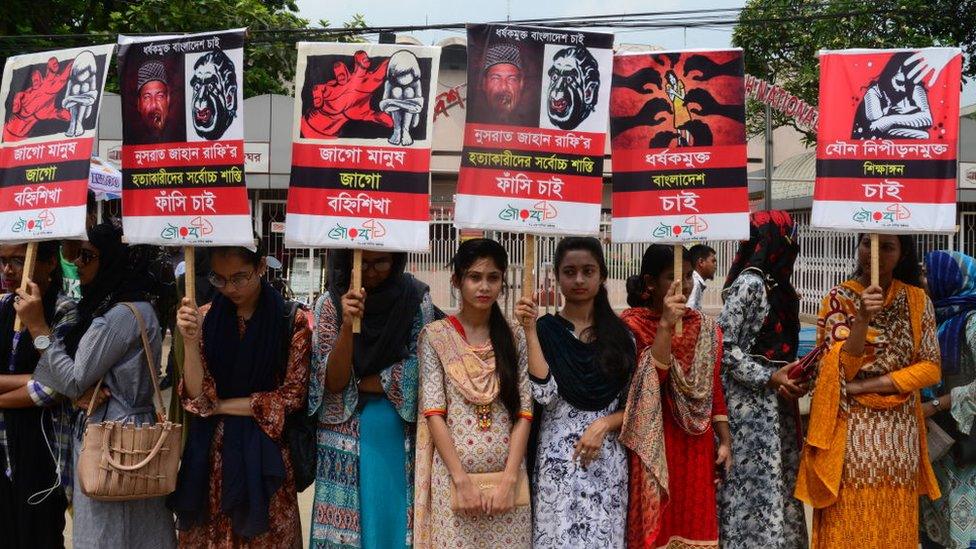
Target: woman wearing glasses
364	391
245	368
106	343
760	326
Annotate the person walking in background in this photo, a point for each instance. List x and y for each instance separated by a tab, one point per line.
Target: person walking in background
35	423
952	406
477	404
363	390
245	368
760	325
106	343
704	261
580	361
692	405
865	462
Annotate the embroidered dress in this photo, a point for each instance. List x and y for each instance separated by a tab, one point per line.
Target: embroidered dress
336	511
865	461
692	401
459	382
575	506
269	409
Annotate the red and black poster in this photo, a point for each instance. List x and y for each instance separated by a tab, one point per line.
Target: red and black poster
362	135
535	131
678	142
887	140
50	107
183	140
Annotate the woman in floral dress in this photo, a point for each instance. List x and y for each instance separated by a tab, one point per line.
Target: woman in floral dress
760	325
477	405
692	410
245	368
579	362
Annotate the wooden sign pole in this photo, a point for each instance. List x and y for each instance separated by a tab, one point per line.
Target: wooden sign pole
678	275
190	274
29	260
357	283
875	274
528	272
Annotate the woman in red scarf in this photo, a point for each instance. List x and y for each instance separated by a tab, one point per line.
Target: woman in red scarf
692	405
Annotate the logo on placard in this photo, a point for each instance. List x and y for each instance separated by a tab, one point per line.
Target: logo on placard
197	227
370	229
691	227
540	211
891	214
34	225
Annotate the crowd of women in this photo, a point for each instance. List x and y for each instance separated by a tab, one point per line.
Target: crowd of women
658	427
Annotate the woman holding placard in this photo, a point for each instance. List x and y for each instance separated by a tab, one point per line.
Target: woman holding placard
364	392
692	406
865	461
245	368
760	325
472	486
580	361
107	344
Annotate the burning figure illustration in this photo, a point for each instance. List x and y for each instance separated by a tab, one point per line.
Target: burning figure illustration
574	87
403	96
214	103
37	102
346	97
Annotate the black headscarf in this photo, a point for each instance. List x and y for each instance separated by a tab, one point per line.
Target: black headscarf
576	366
125	273
390	310
253	469
771	250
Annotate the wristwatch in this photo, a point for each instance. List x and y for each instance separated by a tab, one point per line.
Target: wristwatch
42	342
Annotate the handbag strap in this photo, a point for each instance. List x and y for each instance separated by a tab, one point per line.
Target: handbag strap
160	408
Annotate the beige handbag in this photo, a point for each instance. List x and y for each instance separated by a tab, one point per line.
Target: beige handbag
126	461
487	481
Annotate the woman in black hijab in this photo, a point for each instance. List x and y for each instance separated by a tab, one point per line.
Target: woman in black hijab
107	343
364	391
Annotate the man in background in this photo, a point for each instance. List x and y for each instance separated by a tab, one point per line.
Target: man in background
705	263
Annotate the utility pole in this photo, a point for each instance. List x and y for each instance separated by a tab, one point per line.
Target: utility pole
768	160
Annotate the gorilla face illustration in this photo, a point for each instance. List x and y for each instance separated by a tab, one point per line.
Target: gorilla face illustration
574	85
214	103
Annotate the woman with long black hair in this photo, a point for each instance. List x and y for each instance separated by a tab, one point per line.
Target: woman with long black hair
245	369
580	361
107	343
477	405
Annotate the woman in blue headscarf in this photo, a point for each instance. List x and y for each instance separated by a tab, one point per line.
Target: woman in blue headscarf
950	521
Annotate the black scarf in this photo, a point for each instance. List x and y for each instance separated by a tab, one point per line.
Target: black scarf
30	459
576	366
772	250
253	469
388	320
125	273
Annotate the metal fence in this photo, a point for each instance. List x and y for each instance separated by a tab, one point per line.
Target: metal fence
826	258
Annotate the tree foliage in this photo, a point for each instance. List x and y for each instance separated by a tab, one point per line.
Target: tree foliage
269	53
781	38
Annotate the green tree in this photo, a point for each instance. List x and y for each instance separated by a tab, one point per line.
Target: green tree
781	38
269	52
